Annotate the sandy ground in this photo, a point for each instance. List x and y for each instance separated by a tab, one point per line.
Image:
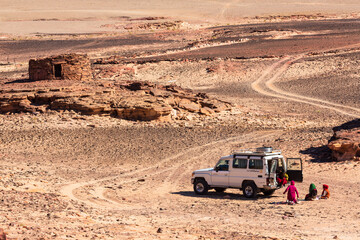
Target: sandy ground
67	176
42	17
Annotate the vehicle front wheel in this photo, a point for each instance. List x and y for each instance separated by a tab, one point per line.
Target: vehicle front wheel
201	187
250	190
268	192
220	189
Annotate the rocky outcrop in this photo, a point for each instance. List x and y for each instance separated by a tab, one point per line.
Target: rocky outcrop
345	143
2	234
132	100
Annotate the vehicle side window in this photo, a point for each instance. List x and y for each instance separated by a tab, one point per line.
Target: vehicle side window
256	164
240	163
223	165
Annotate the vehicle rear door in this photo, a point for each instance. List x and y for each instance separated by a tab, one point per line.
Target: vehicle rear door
294	169
257	170
238	172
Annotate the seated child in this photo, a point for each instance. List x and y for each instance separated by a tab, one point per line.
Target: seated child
281	180
286	177
325	193
312	193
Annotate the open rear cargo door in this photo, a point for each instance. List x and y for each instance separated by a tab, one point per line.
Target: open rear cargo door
294	169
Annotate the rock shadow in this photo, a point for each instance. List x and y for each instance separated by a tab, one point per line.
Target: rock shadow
23	80
318	154
348	125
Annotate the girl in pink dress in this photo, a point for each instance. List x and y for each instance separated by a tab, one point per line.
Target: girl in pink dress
291	192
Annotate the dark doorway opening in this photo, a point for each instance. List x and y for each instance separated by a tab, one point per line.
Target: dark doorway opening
57	68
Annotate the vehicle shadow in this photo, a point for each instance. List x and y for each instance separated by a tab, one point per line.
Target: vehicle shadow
223	195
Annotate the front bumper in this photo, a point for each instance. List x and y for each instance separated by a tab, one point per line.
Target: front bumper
192	180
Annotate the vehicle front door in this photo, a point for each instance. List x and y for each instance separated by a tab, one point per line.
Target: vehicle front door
220	174
294	169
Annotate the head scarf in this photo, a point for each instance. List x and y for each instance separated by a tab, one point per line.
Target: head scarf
292	182
325	186
312	187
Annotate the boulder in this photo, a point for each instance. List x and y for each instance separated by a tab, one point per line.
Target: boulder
143	108
207	111
345	143
145	113
189	105
84	106
2	234
15	104
159	93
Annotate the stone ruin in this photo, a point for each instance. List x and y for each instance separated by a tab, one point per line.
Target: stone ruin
63	67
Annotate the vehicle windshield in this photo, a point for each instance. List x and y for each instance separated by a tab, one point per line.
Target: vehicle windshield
222	165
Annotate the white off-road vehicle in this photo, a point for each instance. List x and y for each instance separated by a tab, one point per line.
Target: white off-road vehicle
252	171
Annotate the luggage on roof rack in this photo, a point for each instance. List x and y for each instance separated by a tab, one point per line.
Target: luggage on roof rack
257	151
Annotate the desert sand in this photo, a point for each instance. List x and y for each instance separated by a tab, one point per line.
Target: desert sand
290	69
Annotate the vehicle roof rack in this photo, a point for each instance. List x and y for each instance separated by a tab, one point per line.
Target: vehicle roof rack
263	151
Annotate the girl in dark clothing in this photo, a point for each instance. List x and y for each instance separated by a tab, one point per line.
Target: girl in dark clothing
312	193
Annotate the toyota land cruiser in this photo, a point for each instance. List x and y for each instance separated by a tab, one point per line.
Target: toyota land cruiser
251	171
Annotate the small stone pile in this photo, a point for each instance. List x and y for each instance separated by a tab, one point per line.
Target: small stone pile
345	143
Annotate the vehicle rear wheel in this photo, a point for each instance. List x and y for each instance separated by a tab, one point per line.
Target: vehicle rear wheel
217	189
250	190
268	192
201	187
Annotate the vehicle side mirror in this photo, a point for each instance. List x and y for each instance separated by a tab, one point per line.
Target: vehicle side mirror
216	168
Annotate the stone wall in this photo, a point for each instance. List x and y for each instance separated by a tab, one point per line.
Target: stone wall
67	67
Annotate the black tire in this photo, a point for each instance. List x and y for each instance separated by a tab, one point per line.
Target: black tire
249	190
219	189
201	187
268	192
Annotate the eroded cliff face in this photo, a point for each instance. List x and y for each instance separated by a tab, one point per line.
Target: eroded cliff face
345	143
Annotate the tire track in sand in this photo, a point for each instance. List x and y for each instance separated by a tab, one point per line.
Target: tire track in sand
265	85
181	168
70	189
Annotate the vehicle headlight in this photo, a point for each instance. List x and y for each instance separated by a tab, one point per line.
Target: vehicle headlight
192	174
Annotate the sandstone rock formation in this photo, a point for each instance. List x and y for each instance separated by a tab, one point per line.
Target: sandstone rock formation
2	234
66	82
345	143
68	66
132	100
